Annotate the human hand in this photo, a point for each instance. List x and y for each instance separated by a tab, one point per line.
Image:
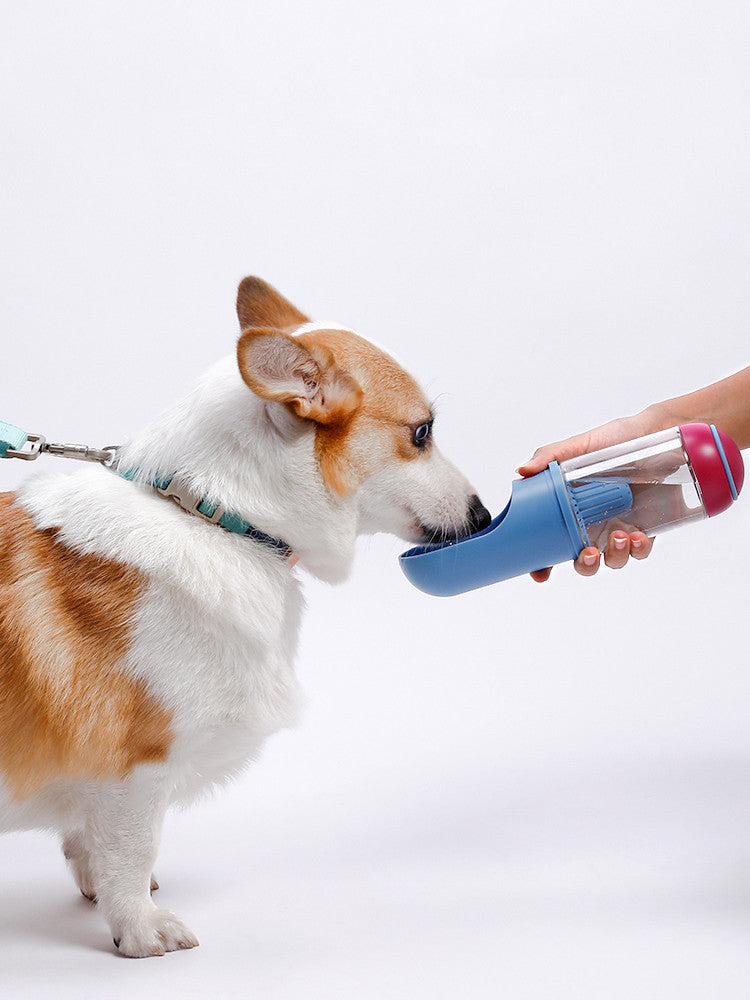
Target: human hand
621	544
613	432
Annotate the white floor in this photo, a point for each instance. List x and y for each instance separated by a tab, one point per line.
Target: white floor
570	881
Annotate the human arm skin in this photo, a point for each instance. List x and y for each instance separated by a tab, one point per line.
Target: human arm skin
725	403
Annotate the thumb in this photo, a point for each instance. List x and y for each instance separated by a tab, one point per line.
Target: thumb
560	451
538	461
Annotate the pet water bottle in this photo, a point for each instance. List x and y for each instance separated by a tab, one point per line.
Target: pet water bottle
650	484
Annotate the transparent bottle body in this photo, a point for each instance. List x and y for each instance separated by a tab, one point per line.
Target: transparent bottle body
663	490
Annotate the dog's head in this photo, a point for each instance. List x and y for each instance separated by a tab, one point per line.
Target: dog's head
372	424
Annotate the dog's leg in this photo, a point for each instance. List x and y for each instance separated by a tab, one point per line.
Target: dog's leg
123	838
76	854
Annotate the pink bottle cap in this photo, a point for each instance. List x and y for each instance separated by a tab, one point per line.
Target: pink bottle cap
717	465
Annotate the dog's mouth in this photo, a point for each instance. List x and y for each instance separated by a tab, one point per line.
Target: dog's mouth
477	519
440	536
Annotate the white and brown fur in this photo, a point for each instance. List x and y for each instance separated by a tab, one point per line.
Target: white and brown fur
146	654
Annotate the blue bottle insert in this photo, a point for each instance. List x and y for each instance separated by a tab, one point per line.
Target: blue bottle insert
599	500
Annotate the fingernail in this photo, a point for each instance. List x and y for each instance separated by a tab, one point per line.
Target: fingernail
590	558
636	543
620	542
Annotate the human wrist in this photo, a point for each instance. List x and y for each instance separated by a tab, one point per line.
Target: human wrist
661	416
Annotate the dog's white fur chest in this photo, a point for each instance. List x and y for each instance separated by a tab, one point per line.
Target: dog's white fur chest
226	674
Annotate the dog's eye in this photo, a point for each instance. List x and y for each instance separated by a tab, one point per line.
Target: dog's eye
422	434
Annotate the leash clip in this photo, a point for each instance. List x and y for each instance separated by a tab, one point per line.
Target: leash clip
80	451
36	444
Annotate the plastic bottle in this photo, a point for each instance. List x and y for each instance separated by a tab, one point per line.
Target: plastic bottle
651	484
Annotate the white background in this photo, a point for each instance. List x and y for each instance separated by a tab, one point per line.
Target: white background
542	209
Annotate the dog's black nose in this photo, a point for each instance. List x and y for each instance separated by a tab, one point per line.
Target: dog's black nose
479	516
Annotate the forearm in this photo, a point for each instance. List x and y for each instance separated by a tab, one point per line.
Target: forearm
725	403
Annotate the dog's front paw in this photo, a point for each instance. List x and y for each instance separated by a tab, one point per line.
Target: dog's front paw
157	932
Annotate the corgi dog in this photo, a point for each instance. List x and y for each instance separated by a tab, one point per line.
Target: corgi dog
149	611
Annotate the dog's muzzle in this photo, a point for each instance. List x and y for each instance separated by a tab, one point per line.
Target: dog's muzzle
477	519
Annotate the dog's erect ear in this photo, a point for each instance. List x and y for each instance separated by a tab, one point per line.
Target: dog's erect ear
258	304
280	368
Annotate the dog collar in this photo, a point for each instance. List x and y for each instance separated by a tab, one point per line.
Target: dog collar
12	445
190	502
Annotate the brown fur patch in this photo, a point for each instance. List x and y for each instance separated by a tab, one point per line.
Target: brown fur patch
258	304
391	405
67	708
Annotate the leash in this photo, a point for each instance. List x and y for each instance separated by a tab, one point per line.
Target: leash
17	443
13	442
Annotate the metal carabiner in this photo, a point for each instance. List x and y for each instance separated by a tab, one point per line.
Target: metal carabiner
37	443
82	452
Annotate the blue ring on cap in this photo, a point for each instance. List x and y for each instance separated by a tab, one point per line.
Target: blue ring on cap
724	462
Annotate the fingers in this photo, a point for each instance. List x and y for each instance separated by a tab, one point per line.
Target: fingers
541	575
537	463
640	545
620	547
559	451
617	552
541	459
587	562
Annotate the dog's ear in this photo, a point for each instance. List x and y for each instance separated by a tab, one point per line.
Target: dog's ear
307	380
258	304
